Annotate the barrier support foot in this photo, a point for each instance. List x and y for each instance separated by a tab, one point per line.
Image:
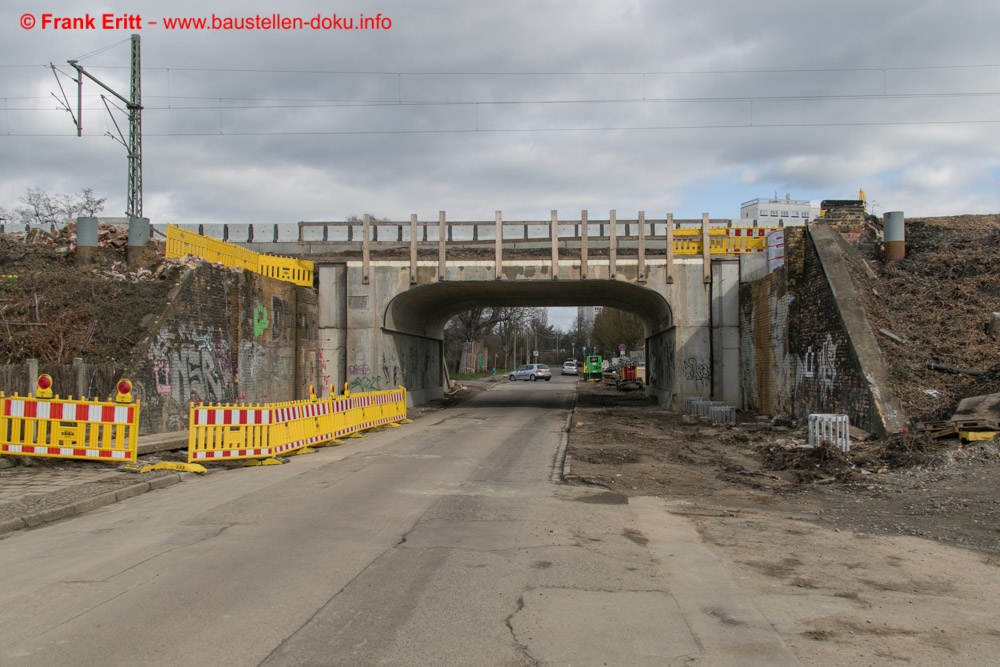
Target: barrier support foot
304	450
265	462
175	465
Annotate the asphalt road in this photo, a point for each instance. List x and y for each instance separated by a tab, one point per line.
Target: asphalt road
443	542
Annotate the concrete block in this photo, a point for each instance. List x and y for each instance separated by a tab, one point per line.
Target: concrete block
10	525
163	482
45	516
91	504
131	491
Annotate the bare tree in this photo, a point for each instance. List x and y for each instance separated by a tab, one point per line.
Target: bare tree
84	204
39	208
614	327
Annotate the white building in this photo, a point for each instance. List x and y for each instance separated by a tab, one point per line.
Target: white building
778	212
587	315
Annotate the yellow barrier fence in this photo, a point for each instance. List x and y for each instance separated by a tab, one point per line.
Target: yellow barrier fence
722	240
289	269
230	432
181	242
52	427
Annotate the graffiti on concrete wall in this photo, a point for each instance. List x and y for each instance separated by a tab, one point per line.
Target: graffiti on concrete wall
813	372
362	383
697	371
315	371
192	365
661	362
260	320
363	377
253	365
748	354
785	364
281	315
668	360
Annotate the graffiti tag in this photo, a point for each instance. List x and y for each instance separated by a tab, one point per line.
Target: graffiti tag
697	371
362	383
260	321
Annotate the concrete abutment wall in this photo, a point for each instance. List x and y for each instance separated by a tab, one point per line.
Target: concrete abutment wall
805	342
381	330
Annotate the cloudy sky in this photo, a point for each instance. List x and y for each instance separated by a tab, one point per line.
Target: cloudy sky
517	106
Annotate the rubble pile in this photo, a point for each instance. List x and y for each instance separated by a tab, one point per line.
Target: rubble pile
933	311
52	311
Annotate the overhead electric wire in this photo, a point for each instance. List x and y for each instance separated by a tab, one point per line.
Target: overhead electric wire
480	130
293	103
803	70
278	103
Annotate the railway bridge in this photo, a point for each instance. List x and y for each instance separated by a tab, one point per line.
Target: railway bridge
387	289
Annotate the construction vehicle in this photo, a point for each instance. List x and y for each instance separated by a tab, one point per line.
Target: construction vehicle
593	367
627	376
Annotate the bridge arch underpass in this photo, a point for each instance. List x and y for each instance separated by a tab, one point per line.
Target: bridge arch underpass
424	311
382	324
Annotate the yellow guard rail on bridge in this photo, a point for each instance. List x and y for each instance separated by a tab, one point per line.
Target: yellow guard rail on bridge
181	242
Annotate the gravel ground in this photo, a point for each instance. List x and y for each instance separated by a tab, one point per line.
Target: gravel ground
944	491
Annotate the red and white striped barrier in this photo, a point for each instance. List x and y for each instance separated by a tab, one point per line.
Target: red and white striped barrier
89	430
242	432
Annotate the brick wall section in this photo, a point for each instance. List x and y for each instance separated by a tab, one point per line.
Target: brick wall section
828	375
847	216
799	357
228	337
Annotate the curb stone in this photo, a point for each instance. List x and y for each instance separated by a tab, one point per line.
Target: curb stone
87	505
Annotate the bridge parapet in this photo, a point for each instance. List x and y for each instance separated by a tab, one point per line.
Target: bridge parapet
498	240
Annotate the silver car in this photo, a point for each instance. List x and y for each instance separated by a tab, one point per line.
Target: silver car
532	372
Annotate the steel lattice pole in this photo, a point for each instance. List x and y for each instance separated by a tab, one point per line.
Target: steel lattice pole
134	208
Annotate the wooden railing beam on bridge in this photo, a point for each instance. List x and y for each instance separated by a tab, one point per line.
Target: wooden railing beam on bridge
441	245
706	248
499	245
613	244
584	228
670	248
641	270
554	236
413	248
365	249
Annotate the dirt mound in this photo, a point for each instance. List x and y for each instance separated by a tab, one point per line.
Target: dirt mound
938	300
52	311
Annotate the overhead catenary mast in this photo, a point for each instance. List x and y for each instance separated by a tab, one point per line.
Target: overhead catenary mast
134	108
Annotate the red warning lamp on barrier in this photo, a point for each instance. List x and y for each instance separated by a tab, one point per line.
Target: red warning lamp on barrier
124	392
43	387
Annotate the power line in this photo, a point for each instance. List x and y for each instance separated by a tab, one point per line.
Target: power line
293	103
803	70
220	104
624	128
